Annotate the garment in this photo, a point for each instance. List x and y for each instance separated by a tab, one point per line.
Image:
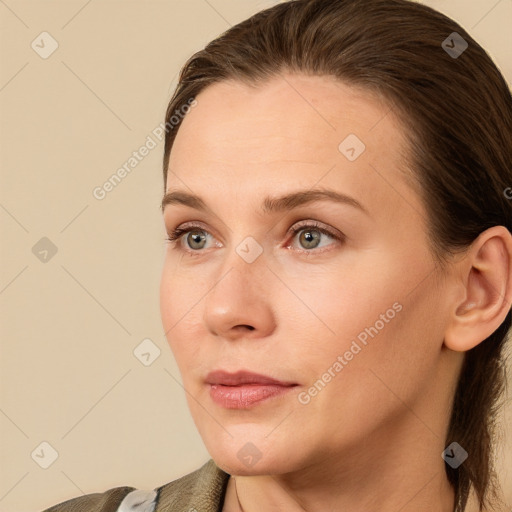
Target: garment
203	490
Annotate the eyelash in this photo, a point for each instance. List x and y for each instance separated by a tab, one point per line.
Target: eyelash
177	233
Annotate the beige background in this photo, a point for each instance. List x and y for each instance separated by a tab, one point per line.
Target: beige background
70	325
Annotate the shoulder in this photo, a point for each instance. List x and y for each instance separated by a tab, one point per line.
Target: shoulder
203	489
107	501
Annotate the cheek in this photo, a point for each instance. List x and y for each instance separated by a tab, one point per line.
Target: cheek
168	292
383	323
180	291
349	300
178	308
372	381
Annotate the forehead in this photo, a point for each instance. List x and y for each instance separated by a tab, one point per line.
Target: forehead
292	130
282	113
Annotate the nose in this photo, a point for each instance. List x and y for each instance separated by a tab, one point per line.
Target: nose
239	304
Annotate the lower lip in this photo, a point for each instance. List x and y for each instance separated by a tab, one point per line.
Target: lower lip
242	397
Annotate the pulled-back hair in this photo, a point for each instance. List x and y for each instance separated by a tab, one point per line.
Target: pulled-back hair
456	112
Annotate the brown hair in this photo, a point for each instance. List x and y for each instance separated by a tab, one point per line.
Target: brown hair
457	113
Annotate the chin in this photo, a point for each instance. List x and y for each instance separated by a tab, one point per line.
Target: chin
232	466
252	459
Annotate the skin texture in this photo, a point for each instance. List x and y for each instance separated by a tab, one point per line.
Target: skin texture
372	438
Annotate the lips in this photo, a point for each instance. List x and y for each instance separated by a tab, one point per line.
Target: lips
244	389
240	378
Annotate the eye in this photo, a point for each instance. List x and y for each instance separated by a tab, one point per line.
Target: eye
195	239
197	236
311	235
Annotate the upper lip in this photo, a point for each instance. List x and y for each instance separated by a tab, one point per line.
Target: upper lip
242	377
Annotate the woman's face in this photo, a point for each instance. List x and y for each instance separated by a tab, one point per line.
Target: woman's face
348	309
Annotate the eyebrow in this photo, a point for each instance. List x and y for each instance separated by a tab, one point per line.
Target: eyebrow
270	204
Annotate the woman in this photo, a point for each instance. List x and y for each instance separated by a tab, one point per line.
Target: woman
338	281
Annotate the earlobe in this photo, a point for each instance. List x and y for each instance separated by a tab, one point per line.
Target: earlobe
487	281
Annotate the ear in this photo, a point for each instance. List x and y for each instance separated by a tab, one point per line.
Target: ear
486	274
